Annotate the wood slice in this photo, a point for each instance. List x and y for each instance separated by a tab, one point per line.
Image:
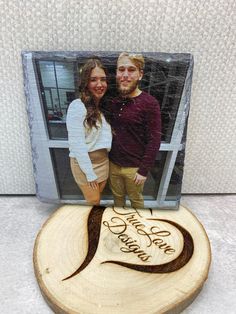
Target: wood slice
121	260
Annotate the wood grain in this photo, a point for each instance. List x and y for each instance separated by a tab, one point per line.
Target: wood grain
121	260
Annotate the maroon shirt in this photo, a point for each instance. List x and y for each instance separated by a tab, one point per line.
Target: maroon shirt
136	124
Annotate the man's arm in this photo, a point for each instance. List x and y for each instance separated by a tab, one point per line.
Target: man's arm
153	122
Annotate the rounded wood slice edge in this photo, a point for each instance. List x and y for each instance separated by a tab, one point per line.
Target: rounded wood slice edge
53	303
184	303
59	308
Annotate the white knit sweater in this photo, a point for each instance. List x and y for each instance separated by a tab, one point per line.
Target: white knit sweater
82	140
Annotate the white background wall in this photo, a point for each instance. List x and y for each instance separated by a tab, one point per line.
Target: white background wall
205	28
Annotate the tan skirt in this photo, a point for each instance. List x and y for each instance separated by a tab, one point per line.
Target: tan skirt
100	163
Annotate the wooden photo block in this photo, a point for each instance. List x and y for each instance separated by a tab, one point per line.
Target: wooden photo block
121	260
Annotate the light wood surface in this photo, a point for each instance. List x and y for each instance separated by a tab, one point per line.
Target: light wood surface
115	260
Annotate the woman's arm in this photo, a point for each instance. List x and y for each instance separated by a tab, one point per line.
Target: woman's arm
76	137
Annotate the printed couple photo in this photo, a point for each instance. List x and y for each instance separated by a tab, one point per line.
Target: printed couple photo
108	128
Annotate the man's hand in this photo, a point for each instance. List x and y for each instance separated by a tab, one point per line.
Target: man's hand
138	179
93	184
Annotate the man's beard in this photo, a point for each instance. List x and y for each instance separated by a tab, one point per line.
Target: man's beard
126	91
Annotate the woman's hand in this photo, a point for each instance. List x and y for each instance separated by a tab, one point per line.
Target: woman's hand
93	184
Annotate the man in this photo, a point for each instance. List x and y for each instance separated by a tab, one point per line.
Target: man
136	125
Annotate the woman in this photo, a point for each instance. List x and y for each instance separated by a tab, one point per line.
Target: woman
89	133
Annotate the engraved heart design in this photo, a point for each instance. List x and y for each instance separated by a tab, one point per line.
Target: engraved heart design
94	228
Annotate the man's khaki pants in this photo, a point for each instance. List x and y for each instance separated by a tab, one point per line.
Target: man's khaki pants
122	183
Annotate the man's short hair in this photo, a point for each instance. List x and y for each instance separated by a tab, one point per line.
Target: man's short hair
137	59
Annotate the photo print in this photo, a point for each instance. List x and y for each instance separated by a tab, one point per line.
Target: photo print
108	128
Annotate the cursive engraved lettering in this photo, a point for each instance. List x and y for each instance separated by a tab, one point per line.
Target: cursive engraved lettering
130	245
133	211
115	228
130	217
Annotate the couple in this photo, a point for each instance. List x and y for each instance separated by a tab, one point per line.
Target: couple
131	137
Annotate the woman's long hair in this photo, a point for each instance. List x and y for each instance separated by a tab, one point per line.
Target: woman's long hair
93	112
